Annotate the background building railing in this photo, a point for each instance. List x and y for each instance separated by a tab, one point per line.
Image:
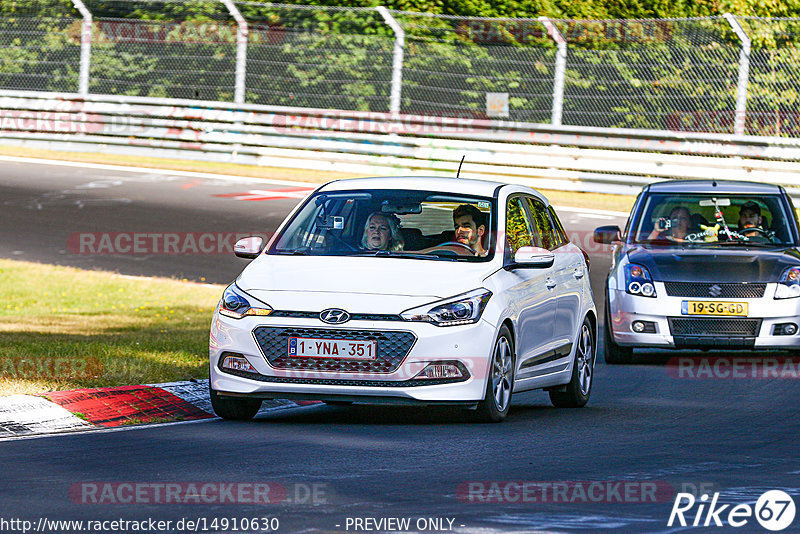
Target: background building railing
721	75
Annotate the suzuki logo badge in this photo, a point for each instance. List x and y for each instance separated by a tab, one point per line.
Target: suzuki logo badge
334	316
715	290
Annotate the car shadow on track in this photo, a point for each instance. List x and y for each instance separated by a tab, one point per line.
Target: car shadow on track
523	410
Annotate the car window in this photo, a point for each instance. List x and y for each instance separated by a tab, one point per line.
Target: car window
518	227
558	228
542	224
679	219
409	223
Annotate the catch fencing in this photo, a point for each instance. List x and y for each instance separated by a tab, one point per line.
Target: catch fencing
601	105
725	74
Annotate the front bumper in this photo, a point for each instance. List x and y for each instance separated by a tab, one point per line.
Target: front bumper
469	345
665	311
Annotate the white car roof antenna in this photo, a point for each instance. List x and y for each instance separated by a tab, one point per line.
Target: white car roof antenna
459	165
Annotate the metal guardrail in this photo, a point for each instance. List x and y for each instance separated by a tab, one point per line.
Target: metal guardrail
549	157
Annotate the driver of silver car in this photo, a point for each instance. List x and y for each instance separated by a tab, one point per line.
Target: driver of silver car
470	226
750	217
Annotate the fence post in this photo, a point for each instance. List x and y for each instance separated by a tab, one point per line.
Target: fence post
744	75
397	60
560	70
86	47
242	32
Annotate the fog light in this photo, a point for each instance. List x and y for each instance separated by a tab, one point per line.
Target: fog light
644	327
440	370
237	363
785	329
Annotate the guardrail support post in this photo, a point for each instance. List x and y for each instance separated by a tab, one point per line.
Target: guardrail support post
744	75
560	70
86	47
242	32
397	60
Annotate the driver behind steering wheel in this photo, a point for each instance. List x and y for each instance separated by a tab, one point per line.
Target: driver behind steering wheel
750	220
470	226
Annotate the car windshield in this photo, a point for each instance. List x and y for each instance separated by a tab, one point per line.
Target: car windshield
421	225
702	220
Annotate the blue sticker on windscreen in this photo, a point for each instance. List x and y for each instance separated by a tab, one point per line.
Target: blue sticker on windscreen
484	205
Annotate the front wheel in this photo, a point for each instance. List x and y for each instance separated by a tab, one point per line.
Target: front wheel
500	381
234	408
576	393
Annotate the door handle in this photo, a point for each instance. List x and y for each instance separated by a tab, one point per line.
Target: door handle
550	283
578	273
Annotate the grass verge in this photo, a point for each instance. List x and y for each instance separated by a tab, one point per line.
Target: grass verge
65	328
600	201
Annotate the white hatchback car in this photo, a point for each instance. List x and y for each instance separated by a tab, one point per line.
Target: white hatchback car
408	290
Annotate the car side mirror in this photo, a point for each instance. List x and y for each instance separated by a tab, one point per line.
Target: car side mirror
532	258
249	247
607	235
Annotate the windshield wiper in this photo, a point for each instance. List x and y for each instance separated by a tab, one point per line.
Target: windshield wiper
393	254
747	243
302	251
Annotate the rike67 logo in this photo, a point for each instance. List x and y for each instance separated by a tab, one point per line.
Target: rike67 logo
774	510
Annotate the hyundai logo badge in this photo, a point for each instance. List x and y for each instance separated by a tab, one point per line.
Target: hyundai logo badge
334	316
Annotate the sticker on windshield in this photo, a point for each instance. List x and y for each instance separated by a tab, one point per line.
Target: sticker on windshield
710	234
482	204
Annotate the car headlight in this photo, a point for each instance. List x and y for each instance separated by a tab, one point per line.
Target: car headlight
789	285
638	281
461	309
235	303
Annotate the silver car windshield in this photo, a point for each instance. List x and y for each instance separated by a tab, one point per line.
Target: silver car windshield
714	221
426	225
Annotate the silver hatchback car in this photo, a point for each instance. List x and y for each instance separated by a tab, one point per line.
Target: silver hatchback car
703	264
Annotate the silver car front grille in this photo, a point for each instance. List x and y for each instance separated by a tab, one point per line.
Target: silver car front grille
715	290
714	327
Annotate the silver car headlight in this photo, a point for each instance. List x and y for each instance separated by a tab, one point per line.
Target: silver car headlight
461	309
235	303
638	281
789	284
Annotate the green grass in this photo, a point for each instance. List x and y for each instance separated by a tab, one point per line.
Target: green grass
65	328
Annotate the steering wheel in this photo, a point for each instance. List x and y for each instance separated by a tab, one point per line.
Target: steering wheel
763	232
763	236
341	240
443	246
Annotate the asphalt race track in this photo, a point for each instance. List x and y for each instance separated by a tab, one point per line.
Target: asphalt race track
614	466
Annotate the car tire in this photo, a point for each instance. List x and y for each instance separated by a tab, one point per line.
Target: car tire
233	408
500	380
577	391
613	353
